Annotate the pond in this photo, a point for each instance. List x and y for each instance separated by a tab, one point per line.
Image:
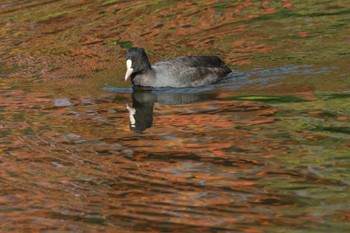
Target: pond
265	150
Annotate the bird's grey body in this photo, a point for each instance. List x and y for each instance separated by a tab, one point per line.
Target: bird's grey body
186	71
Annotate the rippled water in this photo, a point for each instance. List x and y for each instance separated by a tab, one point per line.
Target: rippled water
266	150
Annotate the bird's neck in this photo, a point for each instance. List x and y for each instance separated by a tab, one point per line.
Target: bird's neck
144	78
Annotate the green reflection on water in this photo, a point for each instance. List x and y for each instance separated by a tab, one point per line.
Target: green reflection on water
268	98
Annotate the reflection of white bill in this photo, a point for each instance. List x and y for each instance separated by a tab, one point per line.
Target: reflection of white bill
132	112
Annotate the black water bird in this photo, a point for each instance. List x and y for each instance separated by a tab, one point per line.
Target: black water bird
186	71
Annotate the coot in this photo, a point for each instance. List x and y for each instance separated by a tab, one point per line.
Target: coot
186	71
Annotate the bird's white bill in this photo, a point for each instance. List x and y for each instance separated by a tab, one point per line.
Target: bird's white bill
129	70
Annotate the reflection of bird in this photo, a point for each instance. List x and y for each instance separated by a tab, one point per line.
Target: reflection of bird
187	71
141	112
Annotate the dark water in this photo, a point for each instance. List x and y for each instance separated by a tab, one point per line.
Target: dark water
266	150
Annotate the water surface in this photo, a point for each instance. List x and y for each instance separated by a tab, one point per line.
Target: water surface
266	150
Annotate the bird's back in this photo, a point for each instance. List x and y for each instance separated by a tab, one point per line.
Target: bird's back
189	71
193	61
